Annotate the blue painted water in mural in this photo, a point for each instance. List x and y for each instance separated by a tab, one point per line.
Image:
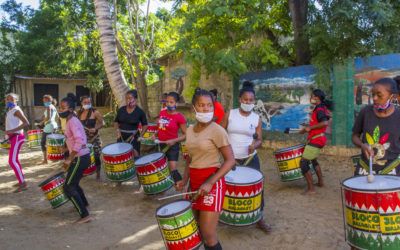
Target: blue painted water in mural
289	118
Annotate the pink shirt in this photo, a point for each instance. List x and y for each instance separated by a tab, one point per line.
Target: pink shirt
168	125
75	136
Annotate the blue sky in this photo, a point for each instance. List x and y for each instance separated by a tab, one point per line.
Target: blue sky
154	5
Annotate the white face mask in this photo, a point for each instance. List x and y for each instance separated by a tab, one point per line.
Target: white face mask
246	107
87	106
203	117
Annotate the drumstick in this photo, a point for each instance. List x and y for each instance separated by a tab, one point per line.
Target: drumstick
9	138
175	195
291	130
370	177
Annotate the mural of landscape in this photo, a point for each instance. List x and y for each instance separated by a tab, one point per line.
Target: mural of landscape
282	96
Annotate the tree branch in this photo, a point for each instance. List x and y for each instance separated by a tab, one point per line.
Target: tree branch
147	20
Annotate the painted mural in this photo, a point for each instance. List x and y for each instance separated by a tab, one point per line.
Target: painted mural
367	71
283	96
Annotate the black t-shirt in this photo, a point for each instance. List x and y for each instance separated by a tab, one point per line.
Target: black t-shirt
382	133
130	121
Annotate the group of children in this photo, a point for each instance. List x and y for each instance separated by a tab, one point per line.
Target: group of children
235	135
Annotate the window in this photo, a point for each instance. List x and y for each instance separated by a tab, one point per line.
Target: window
81	91
41	89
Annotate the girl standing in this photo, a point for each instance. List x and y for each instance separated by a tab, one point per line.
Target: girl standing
376	132
92	122
15	123
127	122
316	139
169	123
78	160
205	141
49	122
245	135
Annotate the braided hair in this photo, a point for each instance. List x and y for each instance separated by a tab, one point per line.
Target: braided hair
321	95
201	92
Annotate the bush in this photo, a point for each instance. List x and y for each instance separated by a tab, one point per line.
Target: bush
109	119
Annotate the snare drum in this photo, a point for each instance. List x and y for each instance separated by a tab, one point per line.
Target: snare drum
372	212
178	225
53	189
92	168
288	160
243	197
153	173
118	161
34	138
151	130
184	150
53	142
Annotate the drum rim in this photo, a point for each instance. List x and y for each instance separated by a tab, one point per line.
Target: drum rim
50	179
369	190
248	183
174	214
113	144
291	148
141	165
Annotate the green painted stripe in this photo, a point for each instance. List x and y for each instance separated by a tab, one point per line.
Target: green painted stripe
76	205
74	171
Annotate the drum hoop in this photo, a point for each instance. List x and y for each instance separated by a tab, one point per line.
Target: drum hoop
47	181
149	163
289	148
117	143
174	214
369	190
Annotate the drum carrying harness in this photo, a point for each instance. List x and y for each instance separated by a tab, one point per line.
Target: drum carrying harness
386	170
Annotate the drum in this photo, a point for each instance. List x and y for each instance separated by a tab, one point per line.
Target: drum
118	161
153	173
288	160
372	212
243	197
178	225
5	146
34	138
355	159
54	141
92	168
151	130
184	150
53	189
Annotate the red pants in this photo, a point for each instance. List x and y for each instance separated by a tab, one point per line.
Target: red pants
215	199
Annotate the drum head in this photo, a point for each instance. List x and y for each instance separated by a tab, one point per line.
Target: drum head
117	148
55	136
380	183
243	175
89	145
50	179
144	160
289	149
172	208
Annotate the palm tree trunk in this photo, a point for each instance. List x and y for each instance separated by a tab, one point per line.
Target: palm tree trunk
108	46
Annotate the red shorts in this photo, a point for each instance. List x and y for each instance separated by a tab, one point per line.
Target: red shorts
215	199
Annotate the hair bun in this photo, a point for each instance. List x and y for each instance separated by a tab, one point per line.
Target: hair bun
71	96
248	84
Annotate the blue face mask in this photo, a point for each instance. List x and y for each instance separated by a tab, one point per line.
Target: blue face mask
10	104
46	104
171	108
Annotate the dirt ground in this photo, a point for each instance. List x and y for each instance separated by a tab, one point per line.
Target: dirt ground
124	218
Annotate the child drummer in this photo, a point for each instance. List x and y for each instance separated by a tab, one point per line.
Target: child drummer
169	123
316	139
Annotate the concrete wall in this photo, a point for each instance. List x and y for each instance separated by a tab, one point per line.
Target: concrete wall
220	81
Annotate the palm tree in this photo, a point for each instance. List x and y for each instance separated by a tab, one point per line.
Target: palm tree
108	46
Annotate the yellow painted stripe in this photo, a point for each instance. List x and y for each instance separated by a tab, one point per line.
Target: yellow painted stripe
235	204
289	164
55	192
53	150
118	167
180	233
373	222
153	178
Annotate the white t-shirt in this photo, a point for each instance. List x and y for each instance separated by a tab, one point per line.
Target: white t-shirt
240	132
13	121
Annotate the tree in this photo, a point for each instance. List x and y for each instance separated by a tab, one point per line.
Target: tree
108	45
298	11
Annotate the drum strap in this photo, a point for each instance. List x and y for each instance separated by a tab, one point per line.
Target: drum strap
246	162
314	137
386	170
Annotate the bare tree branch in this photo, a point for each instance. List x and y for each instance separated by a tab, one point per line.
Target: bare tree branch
152	36
147	20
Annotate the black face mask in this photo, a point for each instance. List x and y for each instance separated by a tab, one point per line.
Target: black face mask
64	114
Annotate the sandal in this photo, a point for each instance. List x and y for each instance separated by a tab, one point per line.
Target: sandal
261	225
